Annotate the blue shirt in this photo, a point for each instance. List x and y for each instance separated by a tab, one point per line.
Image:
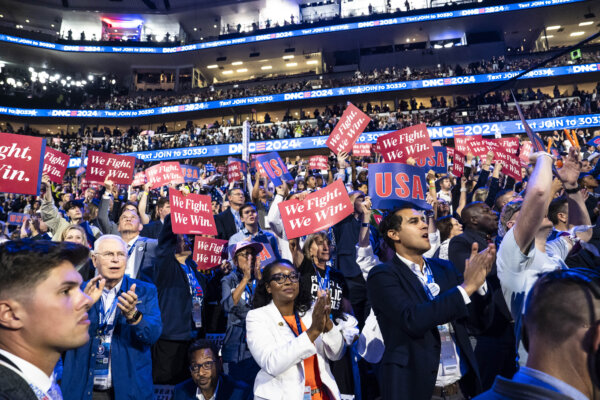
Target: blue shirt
534	377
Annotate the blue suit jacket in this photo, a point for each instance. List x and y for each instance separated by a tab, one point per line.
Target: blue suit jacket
408	321
229	389
131	363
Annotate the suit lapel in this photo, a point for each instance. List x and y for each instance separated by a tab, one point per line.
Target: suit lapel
404	271
140	247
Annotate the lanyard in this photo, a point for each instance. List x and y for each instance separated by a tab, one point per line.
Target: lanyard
131	249
195	288
106	314
250	288
429	281
298	325
324	281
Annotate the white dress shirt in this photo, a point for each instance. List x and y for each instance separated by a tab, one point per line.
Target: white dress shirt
130	270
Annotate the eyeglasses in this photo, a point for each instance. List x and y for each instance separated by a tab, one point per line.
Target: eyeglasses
281	278
110	255
246	254
207	366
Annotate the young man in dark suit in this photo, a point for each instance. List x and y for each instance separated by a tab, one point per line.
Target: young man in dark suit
422	306
208	380
229	222
43	312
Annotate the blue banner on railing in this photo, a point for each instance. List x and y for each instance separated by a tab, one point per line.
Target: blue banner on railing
306	143
287	34
323	93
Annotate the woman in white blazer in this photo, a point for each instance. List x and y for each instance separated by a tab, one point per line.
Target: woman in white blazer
284	347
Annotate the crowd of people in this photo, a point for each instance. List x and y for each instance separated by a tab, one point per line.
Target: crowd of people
100	299
389	74
495	107
106	93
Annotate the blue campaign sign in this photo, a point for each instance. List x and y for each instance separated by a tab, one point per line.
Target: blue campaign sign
438	163
190	173
436	16
322	93
392	184
307	143
595	141
274	168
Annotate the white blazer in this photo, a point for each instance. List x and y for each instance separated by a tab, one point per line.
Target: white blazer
280	354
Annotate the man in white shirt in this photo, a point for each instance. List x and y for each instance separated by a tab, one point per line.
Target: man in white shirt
525	252
43	312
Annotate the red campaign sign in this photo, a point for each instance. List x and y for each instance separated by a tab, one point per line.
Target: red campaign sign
511	144
460	144
318	162
400	145
318	211
511	165
450	151
191	214
103	166
477	146
526	149
352	123
55	164
21	163
164	173
85	184
139	179
208	252
458	167
362	150
234	171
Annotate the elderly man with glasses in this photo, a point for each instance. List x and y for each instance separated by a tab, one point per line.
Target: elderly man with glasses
116	363
208	381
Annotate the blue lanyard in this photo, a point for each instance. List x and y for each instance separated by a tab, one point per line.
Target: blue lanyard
106	314
429	277
323	282
298	325
250	288
195	288
131	249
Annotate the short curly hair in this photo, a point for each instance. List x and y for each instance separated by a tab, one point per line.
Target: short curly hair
508	211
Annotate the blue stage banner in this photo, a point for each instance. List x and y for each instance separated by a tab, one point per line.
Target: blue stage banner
312	94
288	34
306	143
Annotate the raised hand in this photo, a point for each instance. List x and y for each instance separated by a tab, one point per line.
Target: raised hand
569	173
477	267
127	302
94	288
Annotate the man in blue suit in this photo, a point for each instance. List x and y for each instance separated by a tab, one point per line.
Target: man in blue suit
116	362
422	306
208	380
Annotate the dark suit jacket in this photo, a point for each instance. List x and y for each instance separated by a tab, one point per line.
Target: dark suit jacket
408	320
13	387
145	258
225	223
459	250
174	298
228	390
152	229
